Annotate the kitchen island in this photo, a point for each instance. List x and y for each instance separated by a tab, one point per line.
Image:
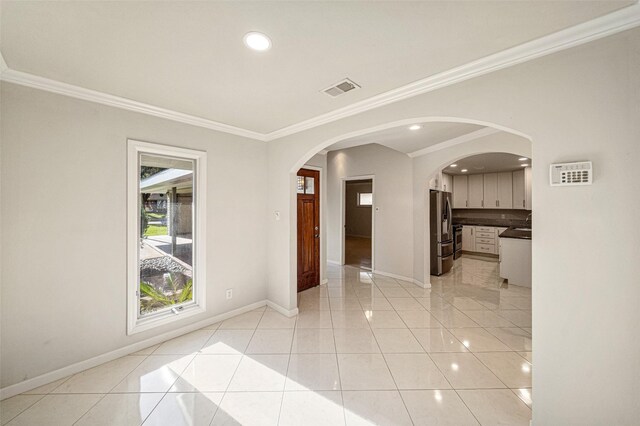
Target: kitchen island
515	256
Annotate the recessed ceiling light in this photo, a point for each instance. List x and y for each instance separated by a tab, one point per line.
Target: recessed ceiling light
257	41
415	127
464	170
453	165
522	159
523	165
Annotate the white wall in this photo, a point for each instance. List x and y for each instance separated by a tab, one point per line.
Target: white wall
64	226
428	168
393	230
582	103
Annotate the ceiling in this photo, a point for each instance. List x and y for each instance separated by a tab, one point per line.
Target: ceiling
408	141
189	56
487	163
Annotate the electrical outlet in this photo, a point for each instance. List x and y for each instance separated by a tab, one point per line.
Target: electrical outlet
229	293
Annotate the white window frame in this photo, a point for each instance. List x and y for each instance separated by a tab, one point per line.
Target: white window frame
135	323
364	205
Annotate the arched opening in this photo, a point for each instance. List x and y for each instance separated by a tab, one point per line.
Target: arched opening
441	154
466	329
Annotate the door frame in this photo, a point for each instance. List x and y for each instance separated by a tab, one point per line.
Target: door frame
322	200
343	216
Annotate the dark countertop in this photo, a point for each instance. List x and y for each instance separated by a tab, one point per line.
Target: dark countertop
517	234
503	223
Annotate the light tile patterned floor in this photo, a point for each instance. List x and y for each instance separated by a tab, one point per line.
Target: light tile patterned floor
365	349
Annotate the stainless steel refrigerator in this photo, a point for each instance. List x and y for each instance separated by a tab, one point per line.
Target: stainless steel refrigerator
441	232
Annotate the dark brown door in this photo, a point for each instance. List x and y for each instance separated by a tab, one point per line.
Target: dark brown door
308	188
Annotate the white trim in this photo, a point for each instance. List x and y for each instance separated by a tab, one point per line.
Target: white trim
612	23
323	152
34	81
77	367
325	281
3	65
403	278
286	312
334	262
421	284
455	141
603	26
134	148
343	215
399	123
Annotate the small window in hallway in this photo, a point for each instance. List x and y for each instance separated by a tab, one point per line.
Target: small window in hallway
165	203
365	199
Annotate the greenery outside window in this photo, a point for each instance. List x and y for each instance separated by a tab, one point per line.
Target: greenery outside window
165	234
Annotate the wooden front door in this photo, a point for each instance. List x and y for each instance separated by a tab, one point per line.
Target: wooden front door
308	188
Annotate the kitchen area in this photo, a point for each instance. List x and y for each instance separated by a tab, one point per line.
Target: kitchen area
483	211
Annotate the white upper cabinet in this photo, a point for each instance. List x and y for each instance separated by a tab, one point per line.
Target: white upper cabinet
476	192
522	189
505	190
447	183
460	192
490	187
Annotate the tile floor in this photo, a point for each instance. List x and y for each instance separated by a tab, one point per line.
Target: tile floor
365	349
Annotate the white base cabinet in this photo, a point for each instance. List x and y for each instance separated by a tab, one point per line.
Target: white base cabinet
481	239
515	261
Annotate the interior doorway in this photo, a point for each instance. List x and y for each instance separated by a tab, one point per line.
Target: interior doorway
358	223
308	206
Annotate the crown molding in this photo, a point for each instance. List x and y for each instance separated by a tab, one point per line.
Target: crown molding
34	81
455	141
612	23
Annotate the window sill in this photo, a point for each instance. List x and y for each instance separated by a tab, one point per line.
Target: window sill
165	318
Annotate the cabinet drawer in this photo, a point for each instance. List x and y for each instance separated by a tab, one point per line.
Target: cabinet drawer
486	248
485	241
491	234
484	229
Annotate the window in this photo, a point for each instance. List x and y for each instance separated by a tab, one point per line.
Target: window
365	199
166	205
305	184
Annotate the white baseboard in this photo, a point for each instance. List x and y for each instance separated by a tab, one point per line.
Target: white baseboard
325	281
334	262
421	284
63	372
403	278
390	275
286	312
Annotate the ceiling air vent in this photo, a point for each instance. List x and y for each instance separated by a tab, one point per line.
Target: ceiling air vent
342	87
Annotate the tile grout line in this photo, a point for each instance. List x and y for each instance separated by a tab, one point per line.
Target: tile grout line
108	392
335	347
286	374
235	371
387	364
26	408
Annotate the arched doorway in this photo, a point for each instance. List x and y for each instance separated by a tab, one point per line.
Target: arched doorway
438	156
